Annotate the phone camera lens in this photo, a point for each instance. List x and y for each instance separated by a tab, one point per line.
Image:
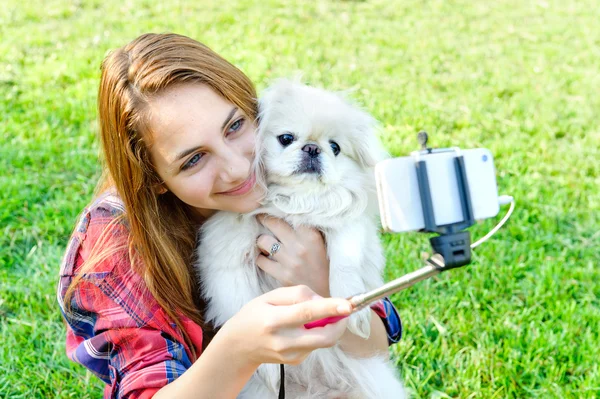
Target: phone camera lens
484	158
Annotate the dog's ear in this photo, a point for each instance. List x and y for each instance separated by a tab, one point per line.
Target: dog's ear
275	94
268	99
269	104
258	165
271	101
368	148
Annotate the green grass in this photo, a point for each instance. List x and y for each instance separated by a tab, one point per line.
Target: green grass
520	78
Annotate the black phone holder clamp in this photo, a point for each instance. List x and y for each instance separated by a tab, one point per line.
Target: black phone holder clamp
452	243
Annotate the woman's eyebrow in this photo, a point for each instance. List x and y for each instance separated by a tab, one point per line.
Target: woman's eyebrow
185	153
231	113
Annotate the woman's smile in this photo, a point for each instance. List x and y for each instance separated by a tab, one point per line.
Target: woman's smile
243	188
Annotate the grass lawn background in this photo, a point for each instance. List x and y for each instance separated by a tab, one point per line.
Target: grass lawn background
520	78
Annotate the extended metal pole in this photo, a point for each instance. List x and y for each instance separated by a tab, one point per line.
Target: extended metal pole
435	265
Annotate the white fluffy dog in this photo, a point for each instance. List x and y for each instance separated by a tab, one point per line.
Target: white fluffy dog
317	153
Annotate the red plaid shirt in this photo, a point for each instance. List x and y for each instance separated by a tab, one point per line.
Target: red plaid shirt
116	328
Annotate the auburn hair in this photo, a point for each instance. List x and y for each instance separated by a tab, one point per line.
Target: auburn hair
161	233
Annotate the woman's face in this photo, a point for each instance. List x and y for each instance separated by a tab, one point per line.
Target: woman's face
203	148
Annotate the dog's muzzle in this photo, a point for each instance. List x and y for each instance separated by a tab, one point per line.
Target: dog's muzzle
311	160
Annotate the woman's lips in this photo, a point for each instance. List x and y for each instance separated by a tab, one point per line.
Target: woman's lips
243	188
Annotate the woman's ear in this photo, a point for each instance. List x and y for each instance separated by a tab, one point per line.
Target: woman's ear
160	189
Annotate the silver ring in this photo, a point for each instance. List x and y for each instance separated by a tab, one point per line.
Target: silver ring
274	248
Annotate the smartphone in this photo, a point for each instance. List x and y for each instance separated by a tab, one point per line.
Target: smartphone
398	189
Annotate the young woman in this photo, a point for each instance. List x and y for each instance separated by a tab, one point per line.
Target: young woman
177	126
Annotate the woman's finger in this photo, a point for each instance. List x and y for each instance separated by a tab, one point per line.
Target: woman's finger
272	268
307	311
286	296
312	234
319	337
269	245
279	227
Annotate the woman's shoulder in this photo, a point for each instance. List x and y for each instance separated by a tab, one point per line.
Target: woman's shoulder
107	206
97	261
102	220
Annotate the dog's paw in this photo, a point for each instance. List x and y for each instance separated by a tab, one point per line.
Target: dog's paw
360	323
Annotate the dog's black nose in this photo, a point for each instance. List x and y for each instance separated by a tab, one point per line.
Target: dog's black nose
312	149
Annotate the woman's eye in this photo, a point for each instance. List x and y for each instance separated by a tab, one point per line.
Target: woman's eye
192	162
286	139
335	147
236	126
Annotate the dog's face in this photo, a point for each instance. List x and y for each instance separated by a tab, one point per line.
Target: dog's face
313	138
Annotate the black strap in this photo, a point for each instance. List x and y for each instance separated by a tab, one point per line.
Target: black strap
281	382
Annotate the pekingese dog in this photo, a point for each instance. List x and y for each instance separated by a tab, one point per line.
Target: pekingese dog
316	153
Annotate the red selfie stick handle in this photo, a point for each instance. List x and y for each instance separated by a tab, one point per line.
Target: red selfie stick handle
323	322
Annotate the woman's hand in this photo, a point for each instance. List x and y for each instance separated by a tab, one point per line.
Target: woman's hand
301	258
270	328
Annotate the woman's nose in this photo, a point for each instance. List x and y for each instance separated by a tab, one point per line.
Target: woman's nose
235	167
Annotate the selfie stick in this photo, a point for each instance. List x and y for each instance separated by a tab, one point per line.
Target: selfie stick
452	247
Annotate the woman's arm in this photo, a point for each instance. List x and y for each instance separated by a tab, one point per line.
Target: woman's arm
376	344
246	341
220	373
217	373
392	329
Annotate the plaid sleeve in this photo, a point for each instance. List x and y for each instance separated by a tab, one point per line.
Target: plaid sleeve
115	328
391	319
134	361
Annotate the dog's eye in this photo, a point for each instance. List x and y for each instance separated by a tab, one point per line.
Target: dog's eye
286	139
335	147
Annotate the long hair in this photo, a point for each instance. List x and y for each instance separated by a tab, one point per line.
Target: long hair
161	232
